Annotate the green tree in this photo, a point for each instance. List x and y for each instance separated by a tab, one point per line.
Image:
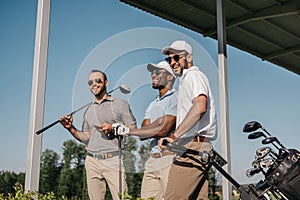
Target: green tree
9	179
72	183
134	179
49	172
212	184
144	155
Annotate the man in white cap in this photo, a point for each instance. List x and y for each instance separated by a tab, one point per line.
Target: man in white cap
196	125
159	121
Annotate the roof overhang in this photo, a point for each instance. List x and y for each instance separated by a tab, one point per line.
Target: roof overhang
268	29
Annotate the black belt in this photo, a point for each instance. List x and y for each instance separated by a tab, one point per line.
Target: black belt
102	156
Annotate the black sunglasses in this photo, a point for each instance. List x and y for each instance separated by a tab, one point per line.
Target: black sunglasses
175	58
97	80
157	72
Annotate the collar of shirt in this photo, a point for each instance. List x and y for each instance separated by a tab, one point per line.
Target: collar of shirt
109	98
185	71
169	93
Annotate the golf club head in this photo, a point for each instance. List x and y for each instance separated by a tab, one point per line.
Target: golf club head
255	164
251	126
269	140
256	135
266	163
250	172
262	152
125	89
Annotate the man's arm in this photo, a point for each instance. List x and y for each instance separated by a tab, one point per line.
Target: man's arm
146	122
159	128
193	116
68	124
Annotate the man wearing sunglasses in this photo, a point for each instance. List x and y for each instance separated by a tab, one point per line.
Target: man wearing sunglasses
196	125
102	162
159	121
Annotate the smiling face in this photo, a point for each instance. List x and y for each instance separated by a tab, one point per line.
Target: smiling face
97	83
177	62
160	78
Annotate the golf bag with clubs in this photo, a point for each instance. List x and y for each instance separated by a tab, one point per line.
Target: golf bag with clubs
282	173
216	160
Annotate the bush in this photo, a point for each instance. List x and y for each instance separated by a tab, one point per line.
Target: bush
21	195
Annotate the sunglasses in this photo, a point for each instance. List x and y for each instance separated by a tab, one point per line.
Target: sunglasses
175	58
157	72
97	80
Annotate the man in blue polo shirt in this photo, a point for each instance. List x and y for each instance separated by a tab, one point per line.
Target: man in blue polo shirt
159	121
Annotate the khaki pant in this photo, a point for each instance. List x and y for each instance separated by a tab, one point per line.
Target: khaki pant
188	175
99	172
155	177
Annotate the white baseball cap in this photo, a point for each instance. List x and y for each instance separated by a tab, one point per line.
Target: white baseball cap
178	46
160	65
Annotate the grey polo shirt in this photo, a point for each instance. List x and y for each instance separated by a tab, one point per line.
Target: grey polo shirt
111	110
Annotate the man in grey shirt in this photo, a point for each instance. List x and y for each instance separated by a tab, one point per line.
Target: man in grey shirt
102	163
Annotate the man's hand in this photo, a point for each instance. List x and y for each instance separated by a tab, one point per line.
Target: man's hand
120	129
162	147
66	122
106	128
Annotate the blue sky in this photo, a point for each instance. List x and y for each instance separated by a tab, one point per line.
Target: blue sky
121	40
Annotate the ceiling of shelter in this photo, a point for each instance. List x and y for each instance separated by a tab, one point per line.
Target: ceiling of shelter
268	29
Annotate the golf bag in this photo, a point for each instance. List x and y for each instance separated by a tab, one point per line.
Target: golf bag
286	175
281	169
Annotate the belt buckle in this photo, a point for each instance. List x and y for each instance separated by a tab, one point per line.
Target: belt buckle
109	155
103	156
156	155
199	138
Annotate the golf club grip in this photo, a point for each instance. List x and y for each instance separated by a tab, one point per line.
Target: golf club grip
47	127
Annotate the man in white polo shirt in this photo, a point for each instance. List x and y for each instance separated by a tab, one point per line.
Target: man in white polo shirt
196	125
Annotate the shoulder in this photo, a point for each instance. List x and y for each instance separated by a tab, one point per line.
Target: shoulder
194	73
118	100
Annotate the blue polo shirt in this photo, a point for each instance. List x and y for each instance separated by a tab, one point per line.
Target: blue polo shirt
165	105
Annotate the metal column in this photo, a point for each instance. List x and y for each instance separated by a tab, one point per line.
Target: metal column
37	96
223	92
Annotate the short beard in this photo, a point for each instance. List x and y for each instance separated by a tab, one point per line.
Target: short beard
100	93
159	87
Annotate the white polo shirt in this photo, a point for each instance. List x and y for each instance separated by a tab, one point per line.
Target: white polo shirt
193	83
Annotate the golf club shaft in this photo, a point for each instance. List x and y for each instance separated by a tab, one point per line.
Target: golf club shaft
69	115
57	121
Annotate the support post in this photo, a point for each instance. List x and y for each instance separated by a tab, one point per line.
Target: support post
223	93
37	96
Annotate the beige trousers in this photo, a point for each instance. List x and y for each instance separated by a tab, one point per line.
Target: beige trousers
188	175
100	172
155	177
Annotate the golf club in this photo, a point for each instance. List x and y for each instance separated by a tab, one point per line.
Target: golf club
253	126
266	151
256	135
123	88
256	164
271	140
267	163
259	134
250	172
262	152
